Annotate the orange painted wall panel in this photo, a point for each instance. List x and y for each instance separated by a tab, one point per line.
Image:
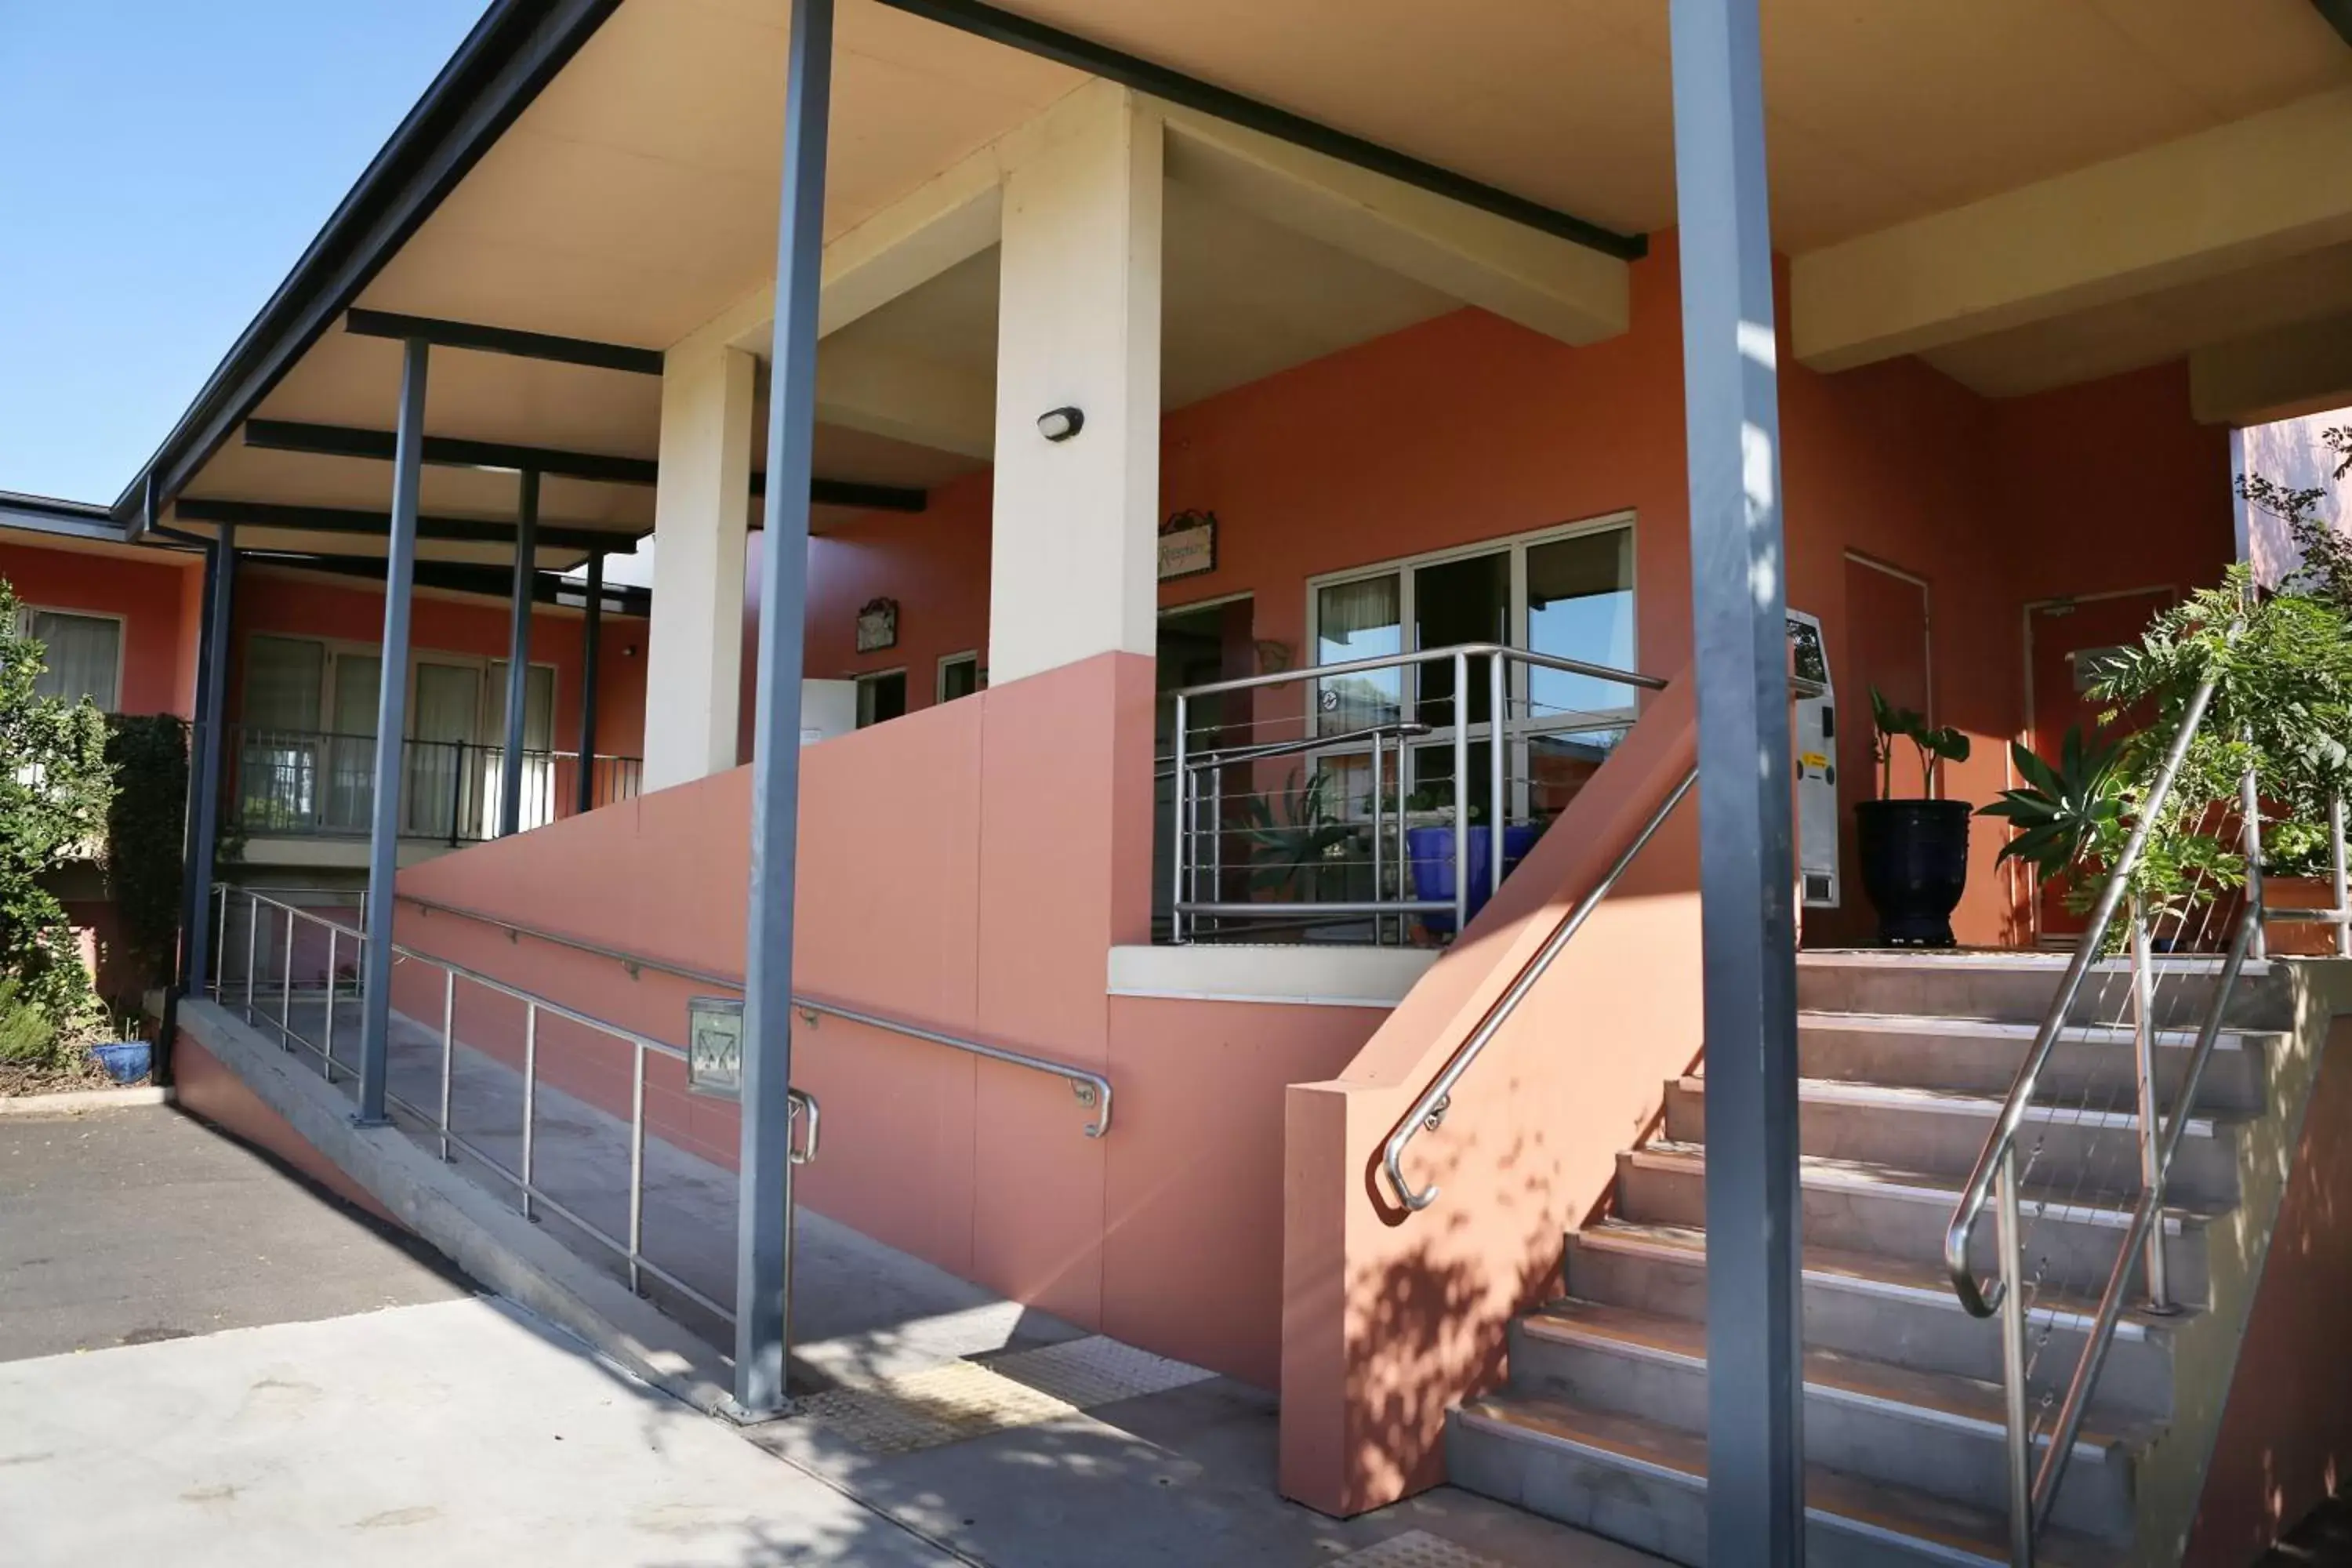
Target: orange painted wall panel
150	593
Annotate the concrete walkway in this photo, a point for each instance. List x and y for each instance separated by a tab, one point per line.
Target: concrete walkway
997	1434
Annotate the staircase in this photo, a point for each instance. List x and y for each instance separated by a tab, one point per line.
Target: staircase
1906	1060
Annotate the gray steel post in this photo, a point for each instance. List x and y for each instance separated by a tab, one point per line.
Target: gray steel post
592	634
2151	1129
1755	1449
763	1234
526	568
2339	877
204	763
391	726
2019	1438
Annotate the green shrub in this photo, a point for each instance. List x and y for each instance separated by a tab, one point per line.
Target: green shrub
55	788
146	830
27	1037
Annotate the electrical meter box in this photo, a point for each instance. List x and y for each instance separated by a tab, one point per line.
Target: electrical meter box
1815	770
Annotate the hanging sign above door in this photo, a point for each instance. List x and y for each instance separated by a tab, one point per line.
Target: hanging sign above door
1188	544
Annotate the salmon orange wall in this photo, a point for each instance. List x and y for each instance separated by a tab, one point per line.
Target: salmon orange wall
150	589
293	604
1466	428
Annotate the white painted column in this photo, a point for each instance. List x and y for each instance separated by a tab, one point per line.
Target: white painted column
1073	555
694	649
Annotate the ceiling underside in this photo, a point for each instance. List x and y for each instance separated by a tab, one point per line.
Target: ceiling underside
635	200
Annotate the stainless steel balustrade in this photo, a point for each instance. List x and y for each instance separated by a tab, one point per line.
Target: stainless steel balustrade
1200	777
1091	1088
436	1119
1999	1171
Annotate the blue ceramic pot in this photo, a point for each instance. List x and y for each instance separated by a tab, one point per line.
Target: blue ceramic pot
1430	852
125	1061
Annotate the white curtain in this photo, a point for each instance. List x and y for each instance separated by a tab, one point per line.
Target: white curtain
83	653
538	744
442	797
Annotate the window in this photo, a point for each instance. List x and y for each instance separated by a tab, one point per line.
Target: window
1567	592
84	655
960	675
881	696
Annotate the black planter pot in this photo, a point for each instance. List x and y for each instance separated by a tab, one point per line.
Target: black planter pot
1915	864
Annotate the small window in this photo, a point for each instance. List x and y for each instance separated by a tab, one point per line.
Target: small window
84	655
960	675
881	698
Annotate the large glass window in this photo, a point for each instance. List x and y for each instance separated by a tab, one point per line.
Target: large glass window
1568	593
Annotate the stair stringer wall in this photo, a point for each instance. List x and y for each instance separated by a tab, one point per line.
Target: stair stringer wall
1391	1318
2262	1427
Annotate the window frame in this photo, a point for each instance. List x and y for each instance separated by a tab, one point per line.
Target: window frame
940	681
25	611
1517	732
866	678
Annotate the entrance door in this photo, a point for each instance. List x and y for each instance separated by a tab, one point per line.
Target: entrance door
2066	640
1196	645
1887	640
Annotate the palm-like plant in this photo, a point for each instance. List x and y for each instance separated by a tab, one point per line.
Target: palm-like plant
1286	844
2065	808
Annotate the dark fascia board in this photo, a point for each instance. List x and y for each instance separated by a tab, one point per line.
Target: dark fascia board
355	519
503	341
513	52
1160	81
2339	13
450	451
60	519
453	576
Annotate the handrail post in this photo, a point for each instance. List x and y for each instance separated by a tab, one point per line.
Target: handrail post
2019	1436
448	1049
2341	878
1380	827
529	1098
2250	797
637	1167
1495	726
285	987
220	951
2152	1174
1461	793
252	944
334	937
1176	831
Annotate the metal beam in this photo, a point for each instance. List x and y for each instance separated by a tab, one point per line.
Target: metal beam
1755	1324
519	654
763	1238
501	457
592	632
513	52
1145	76
390	727
65	518
355	520
448	451
2339	15
457	577
444	335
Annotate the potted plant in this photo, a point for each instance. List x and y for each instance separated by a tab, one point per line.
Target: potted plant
1915	851
1429	850
1290	849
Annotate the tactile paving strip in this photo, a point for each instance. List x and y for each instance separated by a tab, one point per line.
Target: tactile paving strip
918	1410
1096	1370
1416	1549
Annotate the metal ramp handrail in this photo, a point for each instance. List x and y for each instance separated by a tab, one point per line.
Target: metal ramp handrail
1090	1087
437	1119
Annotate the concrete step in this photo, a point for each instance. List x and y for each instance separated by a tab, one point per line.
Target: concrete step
1931	1433
1885	1309
1982	1055
2020	987
2071	1236
1644	1483
1944	1132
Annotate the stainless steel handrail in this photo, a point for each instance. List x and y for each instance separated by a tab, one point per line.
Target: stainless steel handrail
1431	656
1979	1302
1092	1088
1429	1110
803	1107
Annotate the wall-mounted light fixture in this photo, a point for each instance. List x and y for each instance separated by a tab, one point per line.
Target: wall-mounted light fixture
1061	424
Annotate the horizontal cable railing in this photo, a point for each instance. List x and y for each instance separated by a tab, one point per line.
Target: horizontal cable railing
316	782
1387	802
280	934
2036	1195
1091	1088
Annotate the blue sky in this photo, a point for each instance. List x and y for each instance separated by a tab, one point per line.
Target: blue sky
161	166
